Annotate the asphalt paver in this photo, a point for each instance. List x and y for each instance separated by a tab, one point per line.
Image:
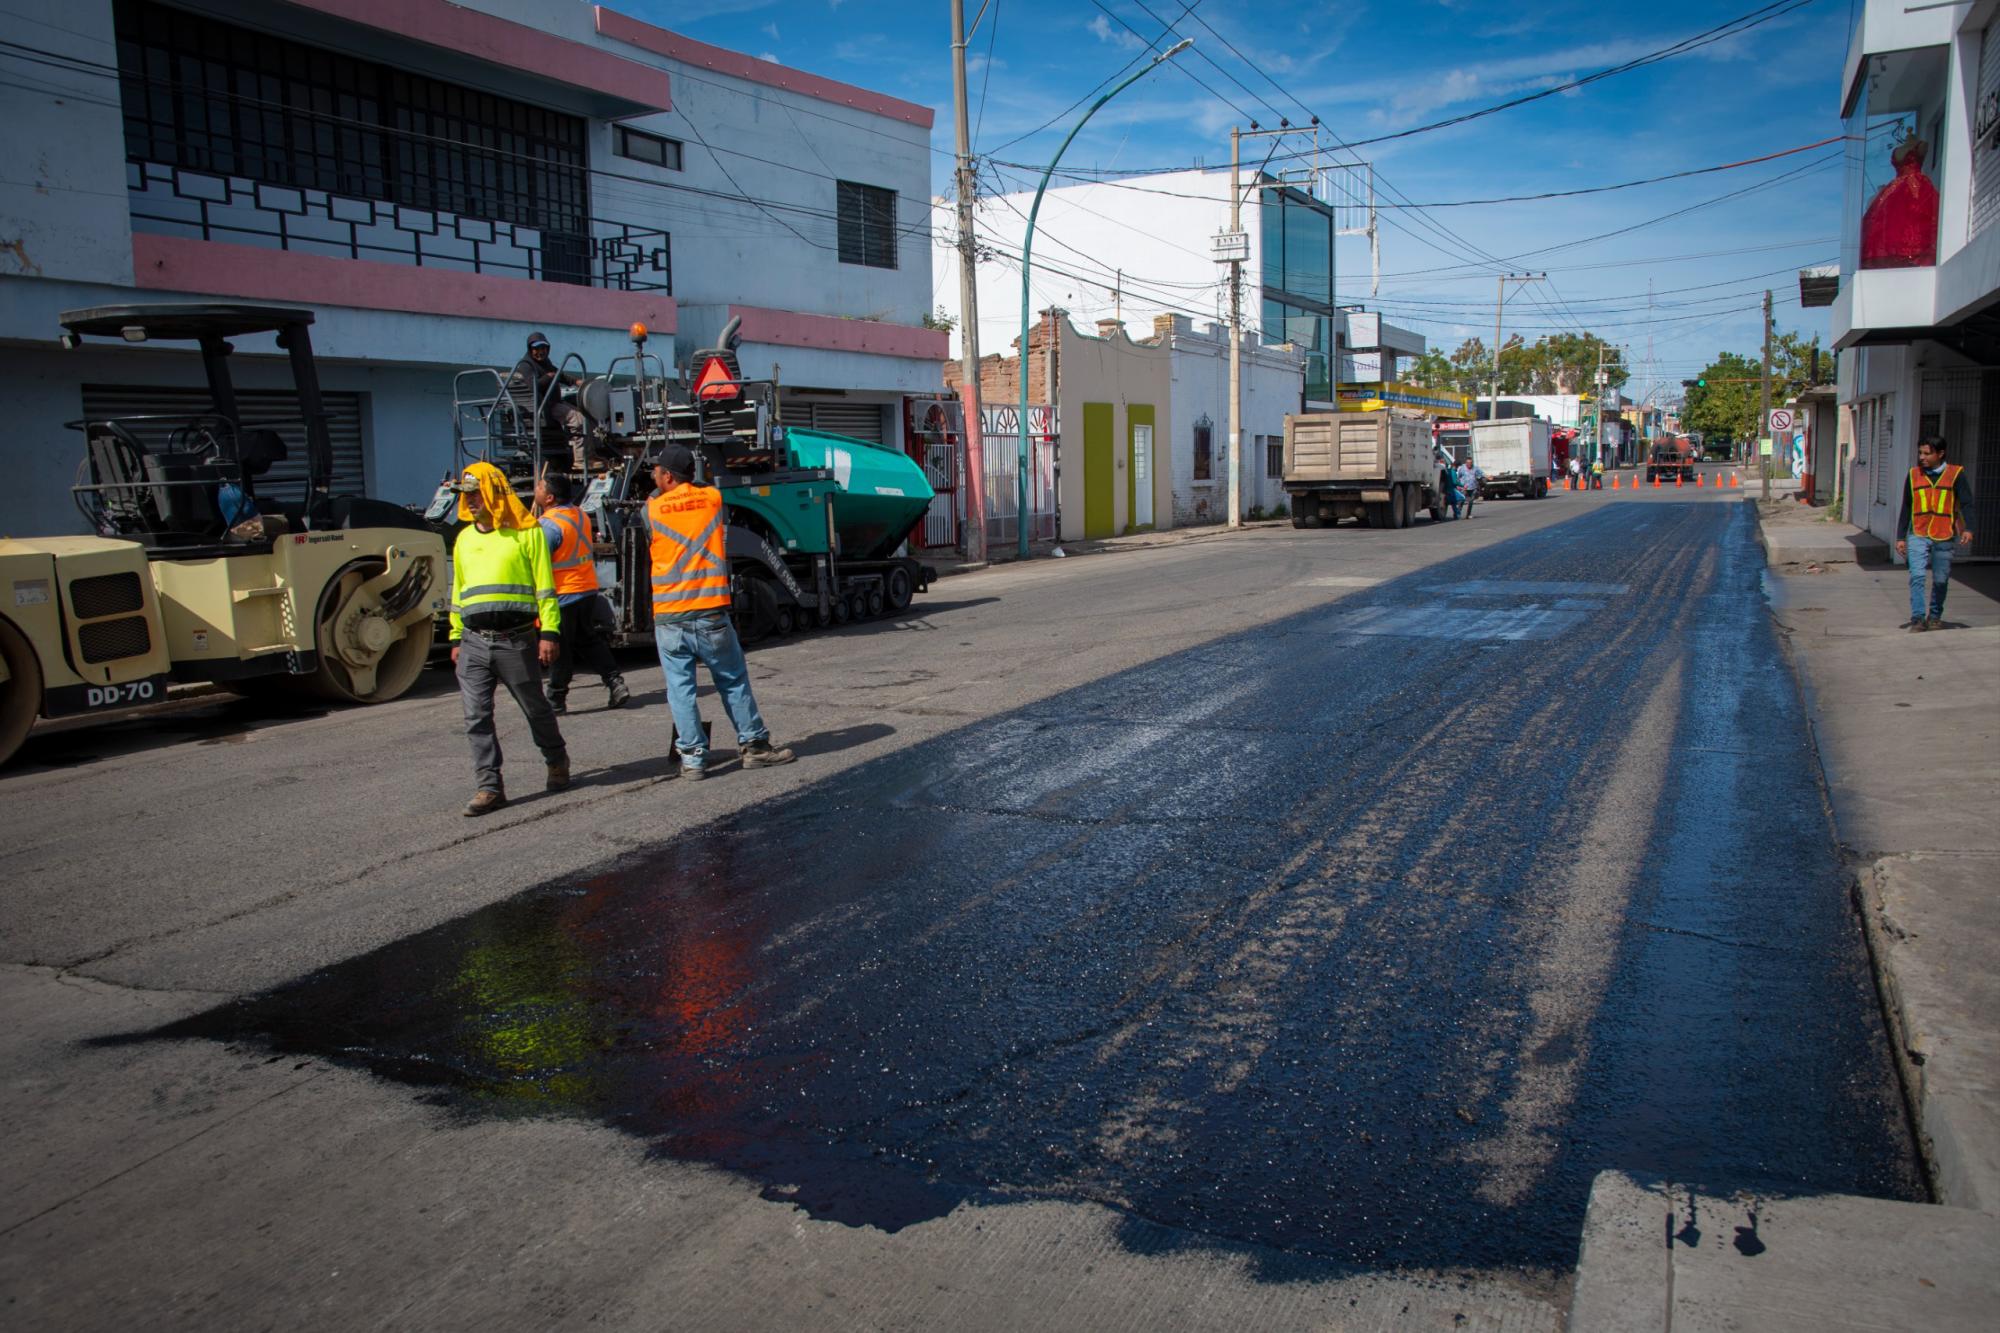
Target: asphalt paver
1371	935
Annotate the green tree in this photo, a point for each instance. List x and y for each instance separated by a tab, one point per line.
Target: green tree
1724	401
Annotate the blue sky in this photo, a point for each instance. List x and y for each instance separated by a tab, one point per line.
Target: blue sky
1373	67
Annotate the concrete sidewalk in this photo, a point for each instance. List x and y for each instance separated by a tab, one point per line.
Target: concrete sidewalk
1908	729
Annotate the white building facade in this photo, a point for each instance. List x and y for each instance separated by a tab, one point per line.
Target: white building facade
1273	385
1917	327
434	180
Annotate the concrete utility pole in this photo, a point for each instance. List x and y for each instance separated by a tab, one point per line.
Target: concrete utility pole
1764	410
1235	333
1499	304
1236	137
972	451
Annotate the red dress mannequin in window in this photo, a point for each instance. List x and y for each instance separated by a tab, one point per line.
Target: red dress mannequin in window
1899	230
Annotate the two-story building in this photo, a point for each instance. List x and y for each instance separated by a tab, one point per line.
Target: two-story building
435	180
1917	317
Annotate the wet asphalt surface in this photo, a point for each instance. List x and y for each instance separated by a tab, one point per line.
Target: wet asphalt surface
1371	936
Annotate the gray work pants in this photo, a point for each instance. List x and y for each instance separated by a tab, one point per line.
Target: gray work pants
486	661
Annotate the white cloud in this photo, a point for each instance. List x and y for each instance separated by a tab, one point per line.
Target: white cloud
771	30
1100	28
771	56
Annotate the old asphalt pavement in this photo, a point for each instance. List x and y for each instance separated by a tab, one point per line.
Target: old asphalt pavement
1279	929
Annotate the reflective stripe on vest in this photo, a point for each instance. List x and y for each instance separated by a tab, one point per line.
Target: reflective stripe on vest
1933	504
575	563
690	564
492	565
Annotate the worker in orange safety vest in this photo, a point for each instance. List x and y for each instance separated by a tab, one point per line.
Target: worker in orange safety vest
691	600
1934	502
585	613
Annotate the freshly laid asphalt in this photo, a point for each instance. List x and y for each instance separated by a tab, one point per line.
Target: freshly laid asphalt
1368	935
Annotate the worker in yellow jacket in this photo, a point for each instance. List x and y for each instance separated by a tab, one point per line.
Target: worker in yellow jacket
505	625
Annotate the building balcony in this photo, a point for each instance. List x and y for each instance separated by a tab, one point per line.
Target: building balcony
195	205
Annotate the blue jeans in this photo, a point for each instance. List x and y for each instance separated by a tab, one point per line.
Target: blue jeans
1928	554
712	640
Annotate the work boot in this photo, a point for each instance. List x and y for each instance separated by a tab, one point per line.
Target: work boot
558	703
558	776
693	772
484	802
1918	624
621	694
1935	622
761	753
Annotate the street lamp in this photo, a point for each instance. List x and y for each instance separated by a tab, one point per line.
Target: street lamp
1027	246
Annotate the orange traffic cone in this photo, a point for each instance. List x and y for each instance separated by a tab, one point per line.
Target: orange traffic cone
1677	480
1697	478
1656	483
1565	483
1735	480
1614	483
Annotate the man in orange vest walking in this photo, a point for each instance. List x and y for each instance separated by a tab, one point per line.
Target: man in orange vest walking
1934	501
572	553
691	614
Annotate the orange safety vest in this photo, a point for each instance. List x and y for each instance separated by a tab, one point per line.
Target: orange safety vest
1933	512
690	561
574	558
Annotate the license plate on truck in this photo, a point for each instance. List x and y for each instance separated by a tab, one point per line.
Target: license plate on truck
66	700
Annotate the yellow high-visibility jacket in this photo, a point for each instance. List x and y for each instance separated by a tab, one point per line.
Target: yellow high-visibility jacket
504	567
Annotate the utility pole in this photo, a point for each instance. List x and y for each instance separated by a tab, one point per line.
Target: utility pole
1235	333
1499	304
1236	137
972	450
1764	400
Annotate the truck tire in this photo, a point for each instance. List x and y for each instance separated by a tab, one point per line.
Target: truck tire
1399	506
1306	512
899	588
20	693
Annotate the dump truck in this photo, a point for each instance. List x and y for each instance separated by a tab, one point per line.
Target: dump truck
817	521
195	572
1513	452
1379	468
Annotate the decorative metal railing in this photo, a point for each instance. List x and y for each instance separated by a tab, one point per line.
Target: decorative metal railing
174	201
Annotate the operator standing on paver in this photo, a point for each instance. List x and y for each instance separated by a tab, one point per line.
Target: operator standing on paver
1934	501
572	554
691	614
505	625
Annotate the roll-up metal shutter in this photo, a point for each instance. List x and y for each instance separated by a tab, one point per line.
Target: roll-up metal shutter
276	409
857	421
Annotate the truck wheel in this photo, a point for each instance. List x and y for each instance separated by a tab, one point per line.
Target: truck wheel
1306	513
875	601
899	589
20	693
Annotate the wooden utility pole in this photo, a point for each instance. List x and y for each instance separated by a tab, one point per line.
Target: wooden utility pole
972	452
1764	409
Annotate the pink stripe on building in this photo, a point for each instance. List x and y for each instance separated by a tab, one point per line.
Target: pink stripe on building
659	41
504	42
212	268
790	328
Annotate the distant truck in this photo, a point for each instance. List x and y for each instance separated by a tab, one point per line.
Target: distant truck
1378	468
1513	452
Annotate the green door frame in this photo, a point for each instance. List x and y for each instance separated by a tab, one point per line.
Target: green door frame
1137	415
1099	510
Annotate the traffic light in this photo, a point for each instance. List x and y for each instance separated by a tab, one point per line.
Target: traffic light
1701	383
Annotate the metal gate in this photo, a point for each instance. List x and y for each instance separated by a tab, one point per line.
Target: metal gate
1001	437
933	431
265	408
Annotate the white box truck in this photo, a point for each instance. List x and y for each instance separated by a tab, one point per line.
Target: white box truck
1513	452
1375	467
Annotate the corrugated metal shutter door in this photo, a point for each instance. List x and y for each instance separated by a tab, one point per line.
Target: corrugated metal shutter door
276	409
1986	160
858	421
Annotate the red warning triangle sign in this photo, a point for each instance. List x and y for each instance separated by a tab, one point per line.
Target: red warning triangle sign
715	380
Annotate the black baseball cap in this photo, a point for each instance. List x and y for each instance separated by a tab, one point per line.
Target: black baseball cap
677	459
537	339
